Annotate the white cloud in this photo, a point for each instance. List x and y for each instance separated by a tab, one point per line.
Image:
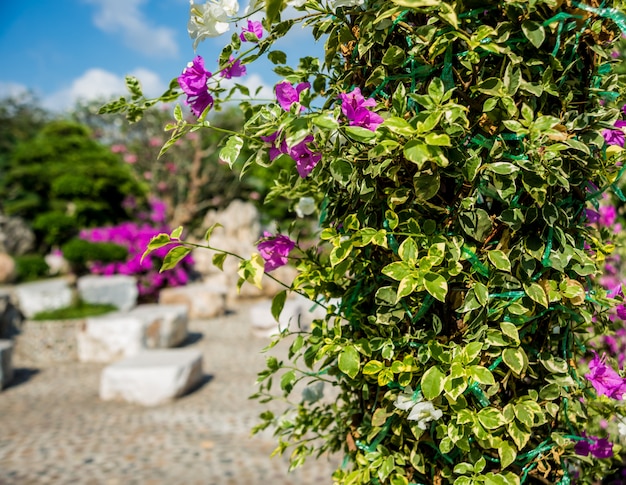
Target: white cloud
12	90
125	18
100	85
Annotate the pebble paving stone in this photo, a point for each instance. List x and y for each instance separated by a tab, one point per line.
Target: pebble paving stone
55	430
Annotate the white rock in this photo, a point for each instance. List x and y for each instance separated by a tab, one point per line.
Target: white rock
43	295
202	300
119	290
110	337
6	366
152	377
164	325
117	335
263	322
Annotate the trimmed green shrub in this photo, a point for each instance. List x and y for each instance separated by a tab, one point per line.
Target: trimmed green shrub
30	267
79	310
79	252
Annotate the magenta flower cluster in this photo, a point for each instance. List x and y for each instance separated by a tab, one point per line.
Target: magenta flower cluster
275	250
287	94
253	27
135	237
194	78
354	107
597	447
604	379
305	158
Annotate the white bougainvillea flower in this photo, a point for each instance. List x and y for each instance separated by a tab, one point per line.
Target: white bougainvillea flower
345	3
211	19
421	411
305	207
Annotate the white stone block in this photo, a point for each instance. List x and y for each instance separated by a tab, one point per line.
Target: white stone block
110	337
6	365
152	377
201	299
119	290
43	295
265	325
165	325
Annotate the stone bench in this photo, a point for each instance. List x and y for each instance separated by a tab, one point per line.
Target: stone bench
6	365
119	290
152	377
43	295
110	337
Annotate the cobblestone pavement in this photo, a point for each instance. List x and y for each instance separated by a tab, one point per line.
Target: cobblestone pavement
54	429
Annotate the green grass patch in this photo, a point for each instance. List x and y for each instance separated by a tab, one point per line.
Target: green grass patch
78	310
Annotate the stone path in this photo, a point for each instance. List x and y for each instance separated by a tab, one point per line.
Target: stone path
54	429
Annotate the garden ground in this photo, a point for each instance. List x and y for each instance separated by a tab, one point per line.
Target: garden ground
54	428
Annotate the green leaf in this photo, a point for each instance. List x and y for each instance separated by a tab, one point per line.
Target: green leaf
373	367
408	251
399	126
159	241
349	361
534	32
341	170
499	259
510	330
516	359
507	453
491	418
272	10
218	260
536	292
176	233
397	270
482	375
326	122
174	256
278	303
502	168
231	150
426	185
394	56
436	285
416	3
277	57
438	139
432	383
210	230
287	380
360	134
519	433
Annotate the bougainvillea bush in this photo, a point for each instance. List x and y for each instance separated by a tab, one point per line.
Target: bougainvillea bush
135	236
451	152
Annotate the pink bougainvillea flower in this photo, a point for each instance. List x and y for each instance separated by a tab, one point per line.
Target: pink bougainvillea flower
598	447
275	149
287	94
233	69
194	77
615	137
305	158
275	250
193	83
354	107
198	103
605	380
254	27
366	119
608	214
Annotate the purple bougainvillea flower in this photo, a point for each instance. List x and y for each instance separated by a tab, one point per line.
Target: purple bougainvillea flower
354	107
592	215
275	149
305	158
621	312
287	94
275	250
605	380
598	447
608	214
193	83
255	27
366	119
615	137
233	69
194	77
199	102
352	101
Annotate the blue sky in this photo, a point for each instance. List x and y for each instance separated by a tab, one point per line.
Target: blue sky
75	49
